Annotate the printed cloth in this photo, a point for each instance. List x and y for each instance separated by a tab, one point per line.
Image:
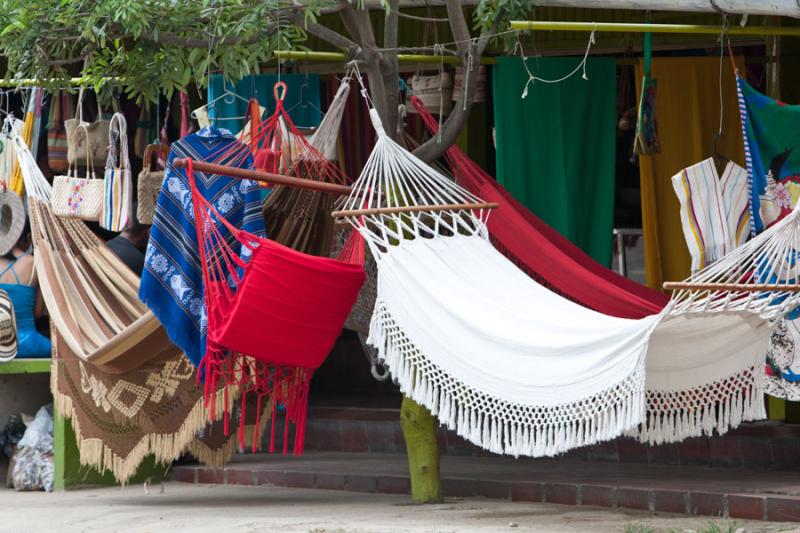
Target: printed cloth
172	281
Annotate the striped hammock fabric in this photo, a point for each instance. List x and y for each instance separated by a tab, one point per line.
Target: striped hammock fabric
714	212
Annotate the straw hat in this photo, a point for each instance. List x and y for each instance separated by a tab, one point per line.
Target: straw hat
12	220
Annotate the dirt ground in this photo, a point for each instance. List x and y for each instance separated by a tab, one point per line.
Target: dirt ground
204	508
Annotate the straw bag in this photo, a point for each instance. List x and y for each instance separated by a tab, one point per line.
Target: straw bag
479	94
8	328
76	197
117	181
149	183
436	92
96	134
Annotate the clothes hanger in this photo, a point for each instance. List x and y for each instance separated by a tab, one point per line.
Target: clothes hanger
228	97
720	161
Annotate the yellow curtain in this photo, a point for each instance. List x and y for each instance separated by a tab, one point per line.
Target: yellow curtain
688	114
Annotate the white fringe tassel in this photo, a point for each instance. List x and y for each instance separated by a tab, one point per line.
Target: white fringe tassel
717	407
499	426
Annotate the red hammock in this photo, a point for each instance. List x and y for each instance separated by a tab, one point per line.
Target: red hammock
282	308
542	252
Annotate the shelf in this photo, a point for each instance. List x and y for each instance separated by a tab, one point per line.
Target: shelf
26	366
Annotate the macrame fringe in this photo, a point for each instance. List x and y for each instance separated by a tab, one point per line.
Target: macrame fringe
165	447
499	426
717	407
217	458
284	385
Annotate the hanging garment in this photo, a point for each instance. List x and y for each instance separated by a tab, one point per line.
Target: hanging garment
90	294
555	148
517	369
172	282
773	154
711	226
60	110
303	98
688	119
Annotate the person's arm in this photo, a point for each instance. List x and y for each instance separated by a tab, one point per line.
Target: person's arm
39	309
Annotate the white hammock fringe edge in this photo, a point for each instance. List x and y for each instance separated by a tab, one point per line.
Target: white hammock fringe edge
625	408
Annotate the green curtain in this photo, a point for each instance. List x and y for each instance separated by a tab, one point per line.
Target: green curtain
556	148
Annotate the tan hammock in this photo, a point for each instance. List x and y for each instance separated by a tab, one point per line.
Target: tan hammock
91	294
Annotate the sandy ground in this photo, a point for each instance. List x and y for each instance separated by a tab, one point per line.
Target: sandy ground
205	508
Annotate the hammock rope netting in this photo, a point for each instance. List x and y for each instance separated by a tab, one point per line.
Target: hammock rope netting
274	311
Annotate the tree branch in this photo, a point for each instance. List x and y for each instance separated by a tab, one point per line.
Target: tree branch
434	148
329	36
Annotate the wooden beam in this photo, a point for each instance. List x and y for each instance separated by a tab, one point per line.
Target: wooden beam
264	177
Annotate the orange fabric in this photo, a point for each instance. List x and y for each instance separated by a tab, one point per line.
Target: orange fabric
687	113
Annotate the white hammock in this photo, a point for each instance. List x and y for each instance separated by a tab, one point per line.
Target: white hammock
517	369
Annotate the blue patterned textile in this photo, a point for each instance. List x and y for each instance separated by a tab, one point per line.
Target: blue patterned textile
172	281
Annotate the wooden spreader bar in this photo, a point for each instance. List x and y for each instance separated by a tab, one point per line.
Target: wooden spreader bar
732	287
265	177
413	209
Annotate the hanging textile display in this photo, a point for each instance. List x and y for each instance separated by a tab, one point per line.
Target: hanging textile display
646	142
771	141
773	154
714	211
117	180
60	111
30	134
445	300
543	253
90	293
282	308
299	218
172	281
302	103
555	148
689	117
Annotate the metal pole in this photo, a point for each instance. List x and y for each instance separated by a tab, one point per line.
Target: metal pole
624	27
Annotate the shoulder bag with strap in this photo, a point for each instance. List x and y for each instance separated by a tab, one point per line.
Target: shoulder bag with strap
149	184
78	197
117	193
96	136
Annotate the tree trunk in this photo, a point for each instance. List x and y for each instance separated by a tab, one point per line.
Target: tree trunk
419	431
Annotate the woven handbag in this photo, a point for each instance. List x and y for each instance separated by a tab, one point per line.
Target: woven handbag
436	92
95	138
149	184
8	328
76	197
117	180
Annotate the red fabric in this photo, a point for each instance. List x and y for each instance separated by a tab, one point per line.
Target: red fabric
544	253
282	308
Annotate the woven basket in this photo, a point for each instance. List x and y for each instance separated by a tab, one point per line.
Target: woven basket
75	197
480	84
149	184
436	92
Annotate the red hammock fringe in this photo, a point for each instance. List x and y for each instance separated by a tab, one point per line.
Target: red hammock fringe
282	308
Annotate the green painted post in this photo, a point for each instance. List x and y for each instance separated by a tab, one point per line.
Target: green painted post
419	431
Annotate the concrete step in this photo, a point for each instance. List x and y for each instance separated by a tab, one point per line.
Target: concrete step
696	490
762	445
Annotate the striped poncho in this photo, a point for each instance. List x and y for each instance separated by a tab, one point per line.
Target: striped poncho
172	281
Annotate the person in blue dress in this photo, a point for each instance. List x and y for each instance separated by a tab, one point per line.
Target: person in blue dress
18	279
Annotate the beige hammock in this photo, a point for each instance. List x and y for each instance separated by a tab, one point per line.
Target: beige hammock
91	294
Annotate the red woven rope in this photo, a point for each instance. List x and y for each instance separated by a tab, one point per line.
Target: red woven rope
282	308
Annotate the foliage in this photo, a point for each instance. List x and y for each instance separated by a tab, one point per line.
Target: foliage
150	44
161	45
